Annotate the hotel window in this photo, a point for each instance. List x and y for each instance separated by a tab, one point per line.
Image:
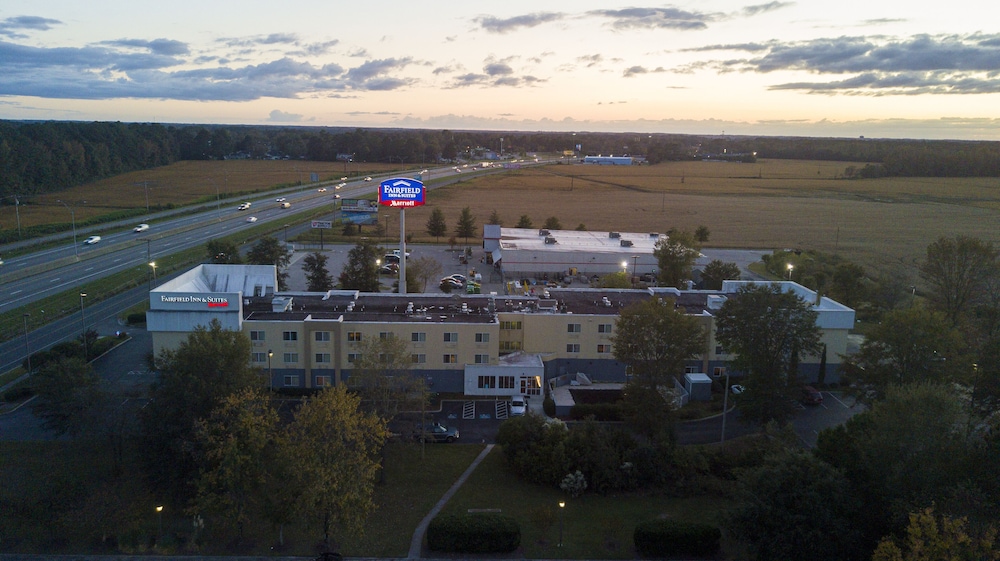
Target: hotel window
510	345
604	328
353	357
322	336
482	359
418	337
450	359
506	382
291	358
510	325
451	337
258	357
291	381
719	350
290	335
573	328
482	337
719	371
353	336
690	369
323	381
386	335
256	335
384	358
418	359
572	347
487	382
603	349
322	358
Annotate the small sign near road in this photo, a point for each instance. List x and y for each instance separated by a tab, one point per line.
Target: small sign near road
324	224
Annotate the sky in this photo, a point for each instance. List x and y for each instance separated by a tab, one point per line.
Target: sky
873	68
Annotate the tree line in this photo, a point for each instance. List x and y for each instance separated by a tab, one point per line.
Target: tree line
45	157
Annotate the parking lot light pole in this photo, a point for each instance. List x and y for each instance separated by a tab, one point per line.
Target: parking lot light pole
562	507
270	380
83	321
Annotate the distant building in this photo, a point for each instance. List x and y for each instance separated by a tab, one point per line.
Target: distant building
608	160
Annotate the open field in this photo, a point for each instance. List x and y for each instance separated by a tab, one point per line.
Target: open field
884	224
179	184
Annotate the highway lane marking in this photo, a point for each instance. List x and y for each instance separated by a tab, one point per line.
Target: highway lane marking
117	260
89	269
15	292
55	279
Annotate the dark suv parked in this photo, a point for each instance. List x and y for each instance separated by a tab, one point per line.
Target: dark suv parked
435	432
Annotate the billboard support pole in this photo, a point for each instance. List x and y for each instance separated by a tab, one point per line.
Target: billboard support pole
402	250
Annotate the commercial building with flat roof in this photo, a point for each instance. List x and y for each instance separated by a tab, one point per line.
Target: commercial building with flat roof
559	253
476	344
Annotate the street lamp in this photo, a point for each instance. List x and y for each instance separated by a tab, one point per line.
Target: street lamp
72	215
790	267
270	382
635	260
153	265
159	516
286	233
83	321
27	351
625	267
562	506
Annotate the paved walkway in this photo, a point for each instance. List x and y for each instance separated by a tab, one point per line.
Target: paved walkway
417	542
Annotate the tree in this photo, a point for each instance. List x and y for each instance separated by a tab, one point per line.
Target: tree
436	225
205	368
237	440
552	223
65	389
269	251
466	226
335	449
318	278
794	506
701	234
423	269
581	227
361	271
767	329
717	271
655	339
223	252
675	256
618	279
957	270
381	377
848	286
909	345
938	538
495	218
524	222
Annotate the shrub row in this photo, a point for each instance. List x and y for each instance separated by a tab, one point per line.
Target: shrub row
474	533
672	538
608	412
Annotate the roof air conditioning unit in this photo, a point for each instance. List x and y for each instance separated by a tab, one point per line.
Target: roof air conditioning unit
543	232
614	234
550	240
626	243
654	235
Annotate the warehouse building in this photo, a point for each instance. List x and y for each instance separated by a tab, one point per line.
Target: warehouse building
463	343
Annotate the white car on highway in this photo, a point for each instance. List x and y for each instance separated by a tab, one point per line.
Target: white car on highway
369	178
140	228
92	240
251	218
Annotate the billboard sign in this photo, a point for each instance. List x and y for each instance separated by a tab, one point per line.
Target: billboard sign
400	192
324	224
359	211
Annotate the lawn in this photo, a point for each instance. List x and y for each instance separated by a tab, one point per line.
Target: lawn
594	526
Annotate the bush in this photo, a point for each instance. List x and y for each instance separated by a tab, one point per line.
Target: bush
473	533
600	411
549	406
18	393
671	538
133	319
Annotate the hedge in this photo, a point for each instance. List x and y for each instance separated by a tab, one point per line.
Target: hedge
671	538
609	412
473	533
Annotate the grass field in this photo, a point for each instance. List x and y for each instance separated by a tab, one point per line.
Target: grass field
884	224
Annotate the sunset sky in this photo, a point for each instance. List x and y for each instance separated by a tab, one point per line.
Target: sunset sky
877	68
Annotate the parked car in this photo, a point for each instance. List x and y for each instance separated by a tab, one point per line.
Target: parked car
141	228
390	258
389	269
518	405
458	277
451	283
396	252
435	432
811	396
251	218
737	389
92	240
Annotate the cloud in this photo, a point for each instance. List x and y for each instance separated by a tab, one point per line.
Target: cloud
371	74
591	60
278	116
656	18
498	69
157	46
10	27
637	70
271	39
494	24
919	64
758	9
